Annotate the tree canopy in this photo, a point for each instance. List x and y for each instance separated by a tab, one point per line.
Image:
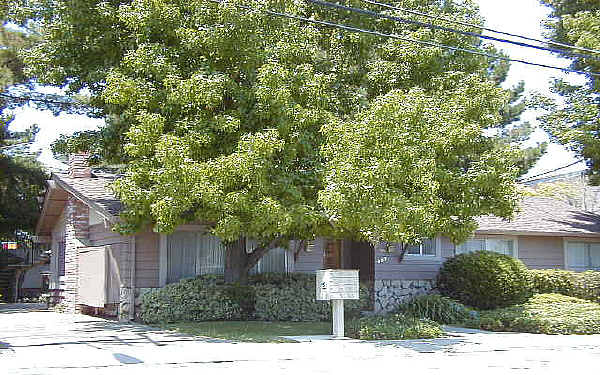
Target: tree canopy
275	128
22	179
576	122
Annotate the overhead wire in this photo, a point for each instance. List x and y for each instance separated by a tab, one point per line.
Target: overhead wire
398	37
533	178
444	28
467	24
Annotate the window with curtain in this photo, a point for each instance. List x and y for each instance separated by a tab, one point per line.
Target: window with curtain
582	256
194	253
504	246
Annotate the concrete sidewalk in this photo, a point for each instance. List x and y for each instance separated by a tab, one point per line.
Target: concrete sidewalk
50	343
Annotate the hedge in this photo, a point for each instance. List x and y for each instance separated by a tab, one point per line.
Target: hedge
191	300
585	285
437	308
543	313
393	327
270	297
484	280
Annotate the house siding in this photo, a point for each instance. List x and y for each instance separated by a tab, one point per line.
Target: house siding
147	260
541	252
309	262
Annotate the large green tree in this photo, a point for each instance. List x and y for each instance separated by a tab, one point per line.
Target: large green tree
512	130
22	179
272	128
575	120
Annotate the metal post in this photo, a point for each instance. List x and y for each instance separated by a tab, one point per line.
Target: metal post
337	306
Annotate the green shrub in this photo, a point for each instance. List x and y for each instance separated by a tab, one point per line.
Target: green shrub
437	308
484	279
198	299
292	302
292	298
543	313
271	297
392	327
584	285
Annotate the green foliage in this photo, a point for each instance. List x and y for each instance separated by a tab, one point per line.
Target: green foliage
585	285
484	280
22	182
280	297
553	314
230	116
392	327
198	299
574	121
435	307
290	302
270	297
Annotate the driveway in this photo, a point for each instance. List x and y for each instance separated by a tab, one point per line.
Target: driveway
43	342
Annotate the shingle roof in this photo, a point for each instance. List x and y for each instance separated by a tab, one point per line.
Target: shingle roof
539	215
93	190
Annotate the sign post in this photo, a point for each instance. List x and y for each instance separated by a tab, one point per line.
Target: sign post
336	286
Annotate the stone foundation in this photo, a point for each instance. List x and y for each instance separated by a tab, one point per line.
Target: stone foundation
388	294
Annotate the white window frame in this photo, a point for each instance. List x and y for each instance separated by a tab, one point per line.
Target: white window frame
437	244
566	248
515	240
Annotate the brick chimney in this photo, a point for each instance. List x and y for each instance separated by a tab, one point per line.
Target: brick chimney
79	166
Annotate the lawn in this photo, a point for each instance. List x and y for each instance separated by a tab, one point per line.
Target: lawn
250	331
544	313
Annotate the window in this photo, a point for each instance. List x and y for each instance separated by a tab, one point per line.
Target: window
506	246
426	247
582	256
94	217
62	245
190	253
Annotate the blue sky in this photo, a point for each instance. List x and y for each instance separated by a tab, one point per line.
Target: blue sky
515	16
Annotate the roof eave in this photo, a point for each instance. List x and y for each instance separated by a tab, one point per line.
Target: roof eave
52	186
535	233
101	210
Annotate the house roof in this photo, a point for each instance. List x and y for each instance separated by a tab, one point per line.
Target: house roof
543	216
95	191
537	215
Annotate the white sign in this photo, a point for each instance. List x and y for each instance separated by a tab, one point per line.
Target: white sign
337	284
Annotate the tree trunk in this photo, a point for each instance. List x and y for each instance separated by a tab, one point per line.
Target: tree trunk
235	262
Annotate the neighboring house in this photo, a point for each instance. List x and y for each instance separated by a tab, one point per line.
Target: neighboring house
93	268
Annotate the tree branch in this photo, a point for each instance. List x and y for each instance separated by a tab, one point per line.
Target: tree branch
258	253
403	247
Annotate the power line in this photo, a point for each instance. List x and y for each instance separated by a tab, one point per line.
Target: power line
548	42
444	28
533	178
393	36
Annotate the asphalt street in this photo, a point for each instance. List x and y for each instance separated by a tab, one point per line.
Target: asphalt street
43	342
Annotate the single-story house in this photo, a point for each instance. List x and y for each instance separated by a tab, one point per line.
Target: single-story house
93	267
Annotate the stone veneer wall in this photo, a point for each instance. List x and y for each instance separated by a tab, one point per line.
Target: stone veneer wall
388	294
76	237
